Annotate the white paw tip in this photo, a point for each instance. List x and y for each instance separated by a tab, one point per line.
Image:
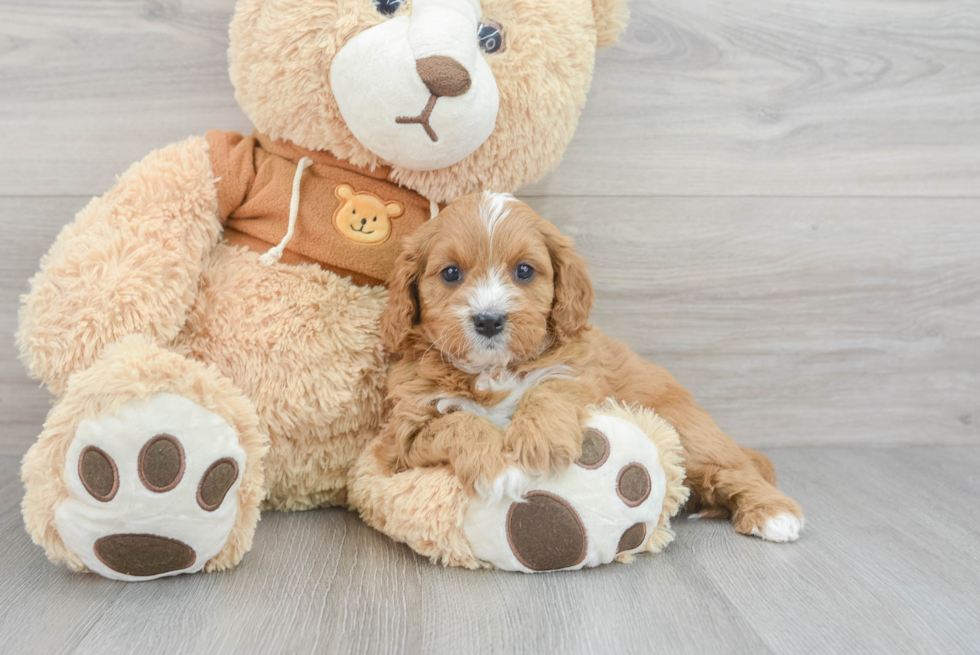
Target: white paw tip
782	528
512	483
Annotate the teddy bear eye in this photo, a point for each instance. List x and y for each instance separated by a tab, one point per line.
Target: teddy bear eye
491	37
524	273
451	274
388	7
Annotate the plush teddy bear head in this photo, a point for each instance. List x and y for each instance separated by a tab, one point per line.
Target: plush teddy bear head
455	95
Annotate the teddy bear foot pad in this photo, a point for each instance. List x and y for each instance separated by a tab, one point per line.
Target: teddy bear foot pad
152	489
604	507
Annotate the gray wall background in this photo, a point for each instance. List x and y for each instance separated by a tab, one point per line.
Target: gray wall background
780	199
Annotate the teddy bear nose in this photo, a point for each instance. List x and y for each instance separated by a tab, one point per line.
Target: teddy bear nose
363	221
443	76
489	325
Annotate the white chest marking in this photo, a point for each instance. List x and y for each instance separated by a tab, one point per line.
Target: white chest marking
501	413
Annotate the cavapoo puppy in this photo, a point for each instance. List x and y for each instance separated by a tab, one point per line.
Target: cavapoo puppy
489	311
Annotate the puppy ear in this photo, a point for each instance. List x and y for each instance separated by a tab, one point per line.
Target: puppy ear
610	20
403	311
574	296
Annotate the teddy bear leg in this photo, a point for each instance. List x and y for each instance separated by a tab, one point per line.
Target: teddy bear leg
424	508
149	466
614	501
129	263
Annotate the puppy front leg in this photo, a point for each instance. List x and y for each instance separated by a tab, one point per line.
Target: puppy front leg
545	433
471	444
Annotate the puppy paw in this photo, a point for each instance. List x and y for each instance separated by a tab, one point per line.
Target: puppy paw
543	452
782	528
511	484
484	475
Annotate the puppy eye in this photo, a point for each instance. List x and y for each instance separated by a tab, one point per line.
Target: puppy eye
451	274
388	7
524	273
491	37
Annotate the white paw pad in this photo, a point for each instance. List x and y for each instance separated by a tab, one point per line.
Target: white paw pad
152	489
784	527
606	504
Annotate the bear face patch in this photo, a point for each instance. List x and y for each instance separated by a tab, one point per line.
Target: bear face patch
364	217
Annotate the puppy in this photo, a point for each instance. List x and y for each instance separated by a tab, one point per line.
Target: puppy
489	307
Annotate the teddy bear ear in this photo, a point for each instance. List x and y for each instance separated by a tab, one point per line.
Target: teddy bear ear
344	192
394	209
610	20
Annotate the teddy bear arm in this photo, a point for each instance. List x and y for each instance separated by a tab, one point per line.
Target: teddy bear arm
128	264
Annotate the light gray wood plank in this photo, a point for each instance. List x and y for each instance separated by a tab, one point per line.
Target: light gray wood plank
779	97
90	86
43	608
875	572
701	97
794	321
29	227
797	321
868	576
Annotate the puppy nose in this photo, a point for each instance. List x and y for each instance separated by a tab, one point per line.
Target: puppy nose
443	76
489	325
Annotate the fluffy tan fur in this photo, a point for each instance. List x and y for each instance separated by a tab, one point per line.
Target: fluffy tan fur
546	327
280	65
128	264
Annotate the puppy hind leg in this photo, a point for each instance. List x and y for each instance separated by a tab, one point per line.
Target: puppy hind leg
756	507
762	464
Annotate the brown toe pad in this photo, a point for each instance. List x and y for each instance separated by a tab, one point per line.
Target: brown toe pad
98	473
143	554
632	538
161	463
545	532
633	484
595	449
215	483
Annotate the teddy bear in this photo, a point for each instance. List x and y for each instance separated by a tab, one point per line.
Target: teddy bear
210	326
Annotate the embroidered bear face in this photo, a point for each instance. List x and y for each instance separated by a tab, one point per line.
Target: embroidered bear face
363	216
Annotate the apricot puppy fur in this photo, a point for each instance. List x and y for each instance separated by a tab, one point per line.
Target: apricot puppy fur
489	308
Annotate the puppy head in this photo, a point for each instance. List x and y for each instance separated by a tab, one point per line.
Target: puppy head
489	283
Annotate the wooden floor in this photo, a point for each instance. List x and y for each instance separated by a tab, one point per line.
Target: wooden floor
890	564
780	201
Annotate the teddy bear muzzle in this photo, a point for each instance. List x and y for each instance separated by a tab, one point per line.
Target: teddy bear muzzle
416	89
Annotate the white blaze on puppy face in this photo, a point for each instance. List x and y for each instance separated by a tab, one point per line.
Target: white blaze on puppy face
494	210
493	293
